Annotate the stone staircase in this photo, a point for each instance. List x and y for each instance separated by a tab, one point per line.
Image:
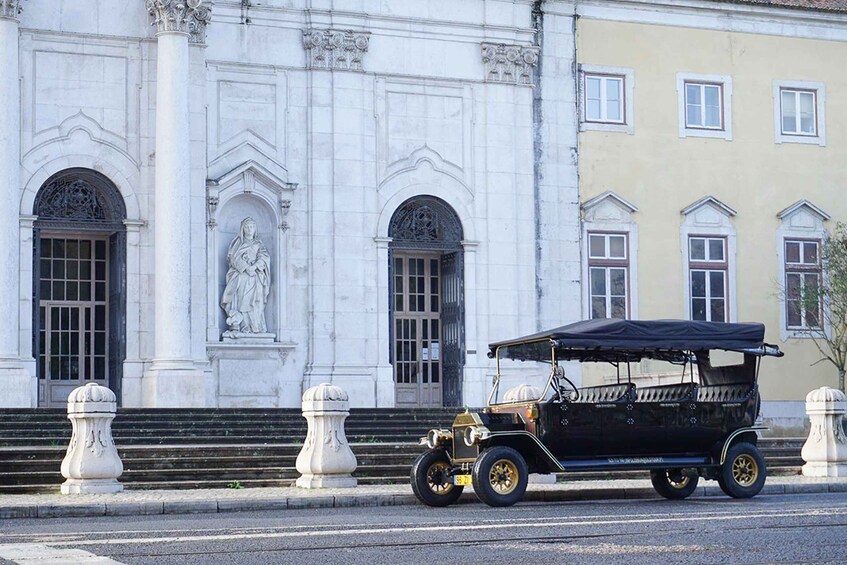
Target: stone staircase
218	448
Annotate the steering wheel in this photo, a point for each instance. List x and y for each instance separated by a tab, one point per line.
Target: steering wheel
567	390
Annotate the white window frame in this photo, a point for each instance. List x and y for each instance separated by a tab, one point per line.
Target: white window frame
820	112
802	269
628	107
725	84
709	265
800	221
607	263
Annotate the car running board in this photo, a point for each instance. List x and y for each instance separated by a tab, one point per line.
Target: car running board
649	462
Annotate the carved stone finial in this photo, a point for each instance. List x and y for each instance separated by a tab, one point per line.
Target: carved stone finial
335	49
184	16
509	63
10	9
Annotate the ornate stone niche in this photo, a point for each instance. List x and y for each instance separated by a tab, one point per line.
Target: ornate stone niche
249	365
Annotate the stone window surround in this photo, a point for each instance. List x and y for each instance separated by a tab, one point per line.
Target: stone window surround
725	81
628	92
725	229
820	110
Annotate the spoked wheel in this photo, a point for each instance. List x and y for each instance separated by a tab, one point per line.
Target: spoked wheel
500	476
743	473
672	484
432	481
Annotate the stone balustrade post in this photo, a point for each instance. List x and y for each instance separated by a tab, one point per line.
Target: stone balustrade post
825	452
91	464
326	460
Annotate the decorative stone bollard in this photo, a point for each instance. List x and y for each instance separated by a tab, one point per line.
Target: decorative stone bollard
326	460
522	393
825	452
91	464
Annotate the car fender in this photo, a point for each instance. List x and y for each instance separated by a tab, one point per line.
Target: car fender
737	436
529	446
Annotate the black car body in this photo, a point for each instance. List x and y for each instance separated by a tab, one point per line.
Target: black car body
679	432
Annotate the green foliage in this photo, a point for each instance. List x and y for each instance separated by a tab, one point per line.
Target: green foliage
235	485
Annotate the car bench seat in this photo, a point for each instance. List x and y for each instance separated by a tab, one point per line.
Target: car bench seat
666	393
733	392
605	393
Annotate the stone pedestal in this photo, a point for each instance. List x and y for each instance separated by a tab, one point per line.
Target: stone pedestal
326	460
825	452
91	464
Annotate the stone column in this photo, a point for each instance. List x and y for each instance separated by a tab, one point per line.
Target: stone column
173	379
825	452
15	381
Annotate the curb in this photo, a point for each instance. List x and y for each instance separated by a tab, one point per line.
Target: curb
147	508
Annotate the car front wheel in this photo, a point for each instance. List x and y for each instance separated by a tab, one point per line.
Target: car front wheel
672	484
432	480
500	476
743	473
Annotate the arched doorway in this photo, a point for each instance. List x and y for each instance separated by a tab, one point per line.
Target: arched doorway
426	286
79	304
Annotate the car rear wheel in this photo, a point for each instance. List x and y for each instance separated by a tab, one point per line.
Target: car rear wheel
743	472
672	484
432	480
500	476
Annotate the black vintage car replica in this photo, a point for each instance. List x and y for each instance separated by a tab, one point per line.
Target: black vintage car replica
679	432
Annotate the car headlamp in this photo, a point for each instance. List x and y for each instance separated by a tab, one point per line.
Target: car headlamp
475	434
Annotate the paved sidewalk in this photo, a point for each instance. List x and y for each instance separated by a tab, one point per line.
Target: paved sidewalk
142	502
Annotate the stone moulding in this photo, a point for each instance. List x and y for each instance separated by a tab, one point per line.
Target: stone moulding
511	64
10	9
184	16
335	49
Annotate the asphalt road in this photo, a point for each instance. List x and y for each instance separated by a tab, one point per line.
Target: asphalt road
766	529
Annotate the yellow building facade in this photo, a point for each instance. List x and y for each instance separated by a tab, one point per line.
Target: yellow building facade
712	153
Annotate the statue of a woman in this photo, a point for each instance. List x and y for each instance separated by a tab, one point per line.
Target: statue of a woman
248	281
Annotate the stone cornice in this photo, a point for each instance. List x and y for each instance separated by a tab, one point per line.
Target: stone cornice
335	49
511	64
181	16
10	9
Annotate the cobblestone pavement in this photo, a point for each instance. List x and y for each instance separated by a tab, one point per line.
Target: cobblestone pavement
140	502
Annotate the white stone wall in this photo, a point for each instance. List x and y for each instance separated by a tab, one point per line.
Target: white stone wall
321	159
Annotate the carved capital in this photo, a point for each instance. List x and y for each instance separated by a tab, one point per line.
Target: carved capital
10	9
183	16
335	49
511	64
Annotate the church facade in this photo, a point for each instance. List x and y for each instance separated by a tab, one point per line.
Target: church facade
222	206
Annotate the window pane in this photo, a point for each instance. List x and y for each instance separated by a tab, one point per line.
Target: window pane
792	286
713	108
698	284
598	308
692	116
613	110
789	112
792	313
716	250
618	307
810	253
596	246
718	311
698	309
692	105
716	286
592	110
617	249
697	249
592	87
598	282
792	251
617	282
807	112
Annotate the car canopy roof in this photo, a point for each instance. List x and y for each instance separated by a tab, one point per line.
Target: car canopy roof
631	340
